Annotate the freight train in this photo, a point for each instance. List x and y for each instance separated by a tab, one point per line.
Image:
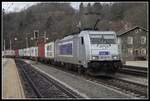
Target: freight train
93	52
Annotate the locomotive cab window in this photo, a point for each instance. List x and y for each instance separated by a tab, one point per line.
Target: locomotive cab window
102	39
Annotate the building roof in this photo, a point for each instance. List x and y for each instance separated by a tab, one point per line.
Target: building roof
120	33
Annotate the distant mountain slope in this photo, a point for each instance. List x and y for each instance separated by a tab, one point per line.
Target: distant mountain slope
60	19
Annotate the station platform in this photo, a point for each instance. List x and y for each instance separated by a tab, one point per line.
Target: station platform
11	83
143	64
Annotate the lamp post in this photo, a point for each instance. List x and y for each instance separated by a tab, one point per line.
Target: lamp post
31	38
27	45
10	44
15	40
45	38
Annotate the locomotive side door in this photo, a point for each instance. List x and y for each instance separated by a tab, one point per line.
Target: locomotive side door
82	53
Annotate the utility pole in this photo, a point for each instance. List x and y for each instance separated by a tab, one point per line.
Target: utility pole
3	31
45	36
26	40
10	44
4	49
36	44
4	45
2	27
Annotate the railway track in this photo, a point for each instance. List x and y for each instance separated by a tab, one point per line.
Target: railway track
128	87
43	86
133	70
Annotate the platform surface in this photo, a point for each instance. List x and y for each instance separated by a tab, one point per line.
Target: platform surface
11	83
137	63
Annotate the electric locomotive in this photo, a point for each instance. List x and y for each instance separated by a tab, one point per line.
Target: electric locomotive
96	52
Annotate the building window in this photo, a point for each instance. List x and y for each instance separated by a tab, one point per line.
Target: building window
130	40
143	51
140	30
48	48
136	31
136	52
130	51
143	39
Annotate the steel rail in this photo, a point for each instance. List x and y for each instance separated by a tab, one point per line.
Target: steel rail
131	71
135	90
37	92
61	87
114	84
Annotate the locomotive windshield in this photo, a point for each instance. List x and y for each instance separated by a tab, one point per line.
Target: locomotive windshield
102	39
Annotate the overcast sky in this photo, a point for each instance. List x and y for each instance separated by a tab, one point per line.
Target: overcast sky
17	6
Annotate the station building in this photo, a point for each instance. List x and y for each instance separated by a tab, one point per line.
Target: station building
133	44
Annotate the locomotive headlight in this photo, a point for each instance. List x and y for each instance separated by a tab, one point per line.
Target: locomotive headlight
115	57
94	57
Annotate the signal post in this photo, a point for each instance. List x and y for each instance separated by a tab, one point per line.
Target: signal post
36	36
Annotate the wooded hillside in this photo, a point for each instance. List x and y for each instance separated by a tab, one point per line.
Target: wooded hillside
60	19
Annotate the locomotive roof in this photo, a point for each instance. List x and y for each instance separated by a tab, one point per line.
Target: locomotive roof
101	32
67	37
90	31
